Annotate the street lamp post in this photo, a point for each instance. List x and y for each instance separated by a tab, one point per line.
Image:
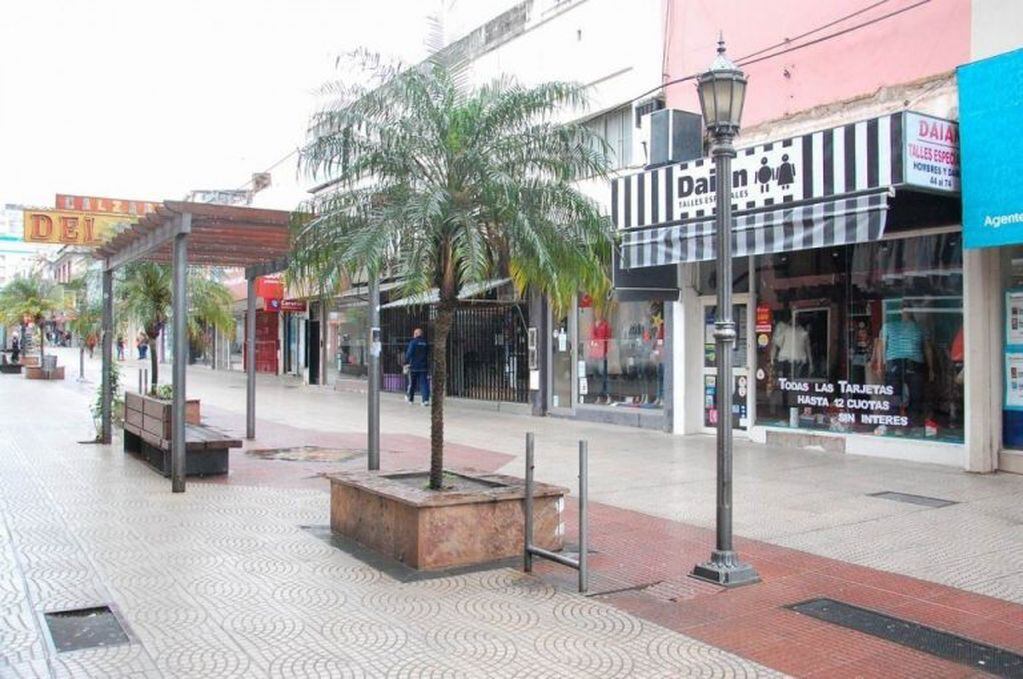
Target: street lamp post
722	92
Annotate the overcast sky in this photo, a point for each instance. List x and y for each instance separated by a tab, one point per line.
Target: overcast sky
148	99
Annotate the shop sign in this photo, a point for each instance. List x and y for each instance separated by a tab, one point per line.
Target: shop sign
762	175
293	305
121	206
70	227
765	319
990	114
893	150
270	287
931	153
848	402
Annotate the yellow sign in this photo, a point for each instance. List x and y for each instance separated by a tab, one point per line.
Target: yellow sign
72	228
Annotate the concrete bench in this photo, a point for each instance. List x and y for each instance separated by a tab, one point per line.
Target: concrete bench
147	433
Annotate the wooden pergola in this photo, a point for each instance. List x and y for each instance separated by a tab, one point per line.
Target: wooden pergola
200	234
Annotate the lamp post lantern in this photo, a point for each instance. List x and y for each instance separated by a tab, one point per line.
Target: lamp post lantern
722	91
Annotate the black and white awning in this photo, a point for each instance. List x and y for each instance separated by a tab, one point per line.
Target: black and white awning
824	188
851	218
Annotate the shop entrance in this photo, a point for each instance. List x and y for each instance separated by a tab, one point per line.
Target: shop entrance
312	348
740	362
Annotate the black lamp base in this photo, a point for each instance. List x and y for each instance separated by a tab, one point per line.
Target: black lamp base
725	569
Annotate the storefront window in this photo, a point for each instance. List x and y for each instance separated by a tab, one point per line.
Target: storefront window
352	355
621	353
1012	340
863	338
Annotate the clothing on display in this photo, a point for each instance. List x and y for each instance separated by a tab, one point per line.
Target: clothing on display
866	338
623	347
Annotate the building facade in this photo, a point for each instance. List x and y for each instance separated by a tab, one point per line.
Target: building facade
618	55
868	322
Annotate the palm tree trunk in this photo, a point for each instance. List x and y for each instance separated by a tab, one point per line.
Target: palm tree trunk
438	380
154	361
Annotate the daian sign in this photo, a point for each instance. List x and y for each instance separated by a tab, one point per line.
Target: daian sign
762	175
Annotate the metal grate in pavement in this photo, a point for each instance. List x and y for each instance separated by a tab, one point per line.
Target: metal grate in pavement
80	628
921	500
990	659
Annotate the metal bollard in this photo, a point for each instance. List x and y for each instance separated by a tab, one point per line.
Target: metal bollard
527	556
584	524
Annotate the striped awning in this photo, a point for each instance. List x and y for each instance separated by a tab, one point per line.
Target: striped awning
850	218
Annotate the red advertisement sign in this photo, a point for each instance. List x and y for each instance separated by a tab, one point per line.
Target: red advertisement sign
269	287
293	305
119	206
765	319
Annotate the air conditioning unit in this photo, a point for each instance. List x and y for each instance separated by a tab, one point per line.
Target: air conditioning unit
673	137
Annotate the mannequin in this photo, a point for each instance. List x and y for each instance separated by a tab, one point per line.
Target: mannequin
600	336
906	354
791	350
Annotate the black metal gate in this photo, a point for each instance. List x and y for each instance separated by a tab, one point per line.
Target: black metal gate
486	349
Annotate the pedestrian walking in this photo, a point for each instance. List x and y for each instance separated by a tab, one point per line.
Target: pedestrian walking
120	348
417	367
15	348
90	344
142	342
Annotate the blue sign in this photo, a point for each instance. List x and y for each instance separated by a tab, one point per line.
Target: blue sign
990	122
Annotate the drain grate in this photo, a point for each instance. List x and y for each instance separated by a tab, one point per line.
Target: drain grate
82	628
921	500
913	635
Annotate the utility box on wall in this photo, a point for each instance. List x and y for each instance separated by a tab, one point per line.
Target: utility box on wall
675	137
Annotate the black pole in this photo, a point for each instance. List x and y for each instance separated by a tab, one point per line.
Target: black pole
724	567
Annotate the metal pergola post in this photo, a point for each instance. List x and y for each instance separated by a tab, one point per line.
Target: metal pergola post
180	306
106	397
230	236
373	396
250	359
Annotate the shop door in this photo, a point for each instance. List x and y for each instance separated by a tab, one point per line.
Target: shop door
312	347
563	373
740	364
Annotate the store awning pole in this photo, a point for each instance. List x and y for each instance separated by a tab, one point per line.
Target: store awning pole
180	306
106	397
250	359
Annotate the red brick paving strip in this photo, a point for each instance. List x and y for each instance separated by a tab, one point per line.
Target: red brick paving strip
643	561
398	451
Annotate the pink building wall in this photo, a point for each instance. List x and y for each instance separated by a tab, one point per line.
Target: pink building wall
924	41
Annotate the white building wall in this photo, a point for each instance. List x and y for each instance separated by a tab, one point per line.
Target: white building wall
996	26
617	53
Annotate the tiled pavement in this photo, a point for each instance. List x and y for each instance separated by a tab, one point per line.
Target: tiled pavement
812	501
223	581
639	563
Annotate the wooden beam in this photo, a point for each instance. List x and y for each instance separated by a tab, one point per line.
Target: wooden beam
266	268
139	247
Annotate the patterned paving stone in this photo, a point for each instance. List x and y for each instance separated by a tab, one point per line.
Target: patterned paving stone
224	581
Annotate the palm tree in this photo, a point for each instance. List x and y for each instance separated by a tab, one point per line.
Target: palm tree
444	187
87	316
144	291
30	298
